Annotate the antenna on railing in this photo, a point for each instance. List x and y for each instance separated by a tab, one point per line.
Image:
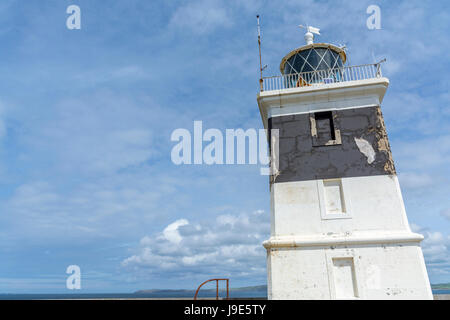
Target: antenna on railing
378	67
261	68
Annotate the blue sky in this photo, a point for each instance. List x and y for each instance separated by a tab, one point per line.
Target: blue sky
86	117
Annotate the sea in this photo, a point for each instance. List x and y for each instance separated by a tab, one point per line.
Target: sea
157	295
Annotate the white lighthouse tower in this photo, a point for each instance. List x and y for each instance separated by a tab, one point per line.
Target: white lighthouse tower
338	224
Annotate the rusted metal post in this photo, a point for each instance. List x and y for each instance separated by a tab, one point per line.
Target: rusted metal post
228	297
217	288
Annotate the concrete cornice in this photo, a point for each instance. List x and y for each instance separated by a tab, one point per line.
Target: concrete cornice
362	238
351	94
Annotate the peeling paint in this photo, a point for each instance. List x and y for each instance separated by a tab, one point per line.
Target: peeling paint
383	143
366	149
302	160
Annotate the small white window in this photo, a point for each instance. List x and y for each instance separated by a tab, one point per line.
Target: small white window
333	202
344	278
334	197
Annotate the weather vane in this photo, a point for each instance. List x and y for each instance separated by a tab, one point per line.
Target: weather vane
310	31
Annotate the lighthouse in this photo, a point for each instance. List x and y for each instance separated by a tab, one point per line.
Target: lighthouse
339	228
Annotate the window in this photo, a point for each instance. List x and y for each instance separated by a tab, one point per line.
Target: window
345	285
333	199
324	129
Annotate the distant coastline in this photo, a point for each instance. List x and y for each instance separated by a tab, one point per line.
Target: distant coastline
441	286
442	290
242	292
254	289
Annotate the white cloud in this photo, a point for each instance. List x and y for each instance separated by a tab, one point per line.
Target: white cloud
436	250
227	219
118	206
230	245
424	154
171	233
96	133
102	75
201	17
415	180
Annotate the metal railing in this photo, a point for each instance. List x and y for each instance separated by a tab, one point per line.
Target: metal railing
321	77
217	287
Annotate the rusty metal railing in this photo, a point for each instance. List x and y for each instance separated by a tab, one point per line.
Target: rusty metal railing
217	287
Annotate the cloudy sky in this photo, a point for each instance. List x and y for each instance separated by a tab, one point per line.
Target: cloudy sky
86	118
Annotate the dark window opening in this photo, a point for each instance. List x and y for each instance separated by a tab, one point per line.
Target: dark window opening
325	125
325	129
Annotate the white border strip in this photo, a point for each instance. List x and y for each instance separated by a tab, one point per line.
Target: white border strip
293	241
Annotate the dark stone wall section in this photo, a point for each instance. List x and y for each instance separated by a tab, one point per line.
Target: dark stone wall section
299	160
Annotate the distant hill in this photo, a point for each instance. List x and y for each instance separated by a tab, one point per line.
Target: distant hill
253	288
252	291
441	286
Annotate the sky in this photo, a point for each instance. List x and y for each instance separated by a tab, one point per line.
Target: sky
86	117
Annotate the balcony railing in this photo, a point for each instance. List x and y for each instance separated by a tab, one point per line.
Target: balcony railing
321	77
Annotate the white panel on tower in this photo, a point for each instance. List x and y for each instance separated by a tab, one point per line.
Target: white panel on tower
344	278
334	197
